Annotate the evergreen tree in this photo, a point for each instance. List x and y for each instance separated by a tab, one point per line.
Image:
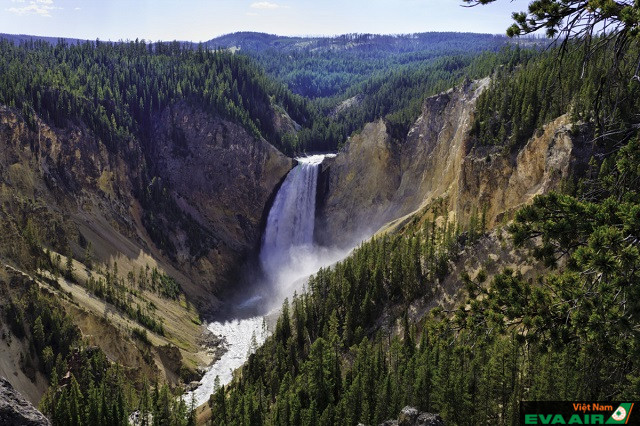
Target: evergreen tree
38	333
76	404
69	264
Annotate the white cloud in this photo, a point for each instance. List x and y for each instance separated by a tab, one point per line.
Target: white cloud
35	7
266	5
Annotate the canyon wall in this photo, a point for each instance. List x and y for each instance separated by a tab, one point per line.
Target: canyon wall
375	182
197	215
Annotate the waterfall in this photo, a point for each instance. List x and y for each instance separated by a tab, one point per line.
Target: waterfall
288	256
291	219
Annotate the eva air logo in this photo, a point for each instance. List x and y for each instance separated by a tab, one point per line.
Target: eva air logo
621	414
578	413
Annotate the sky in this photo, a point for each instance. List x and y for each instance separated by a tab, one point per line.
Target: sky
201	20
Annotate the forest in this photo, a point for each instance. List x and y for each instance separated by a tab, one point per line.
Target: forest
325	67
541	90
118	88
350	349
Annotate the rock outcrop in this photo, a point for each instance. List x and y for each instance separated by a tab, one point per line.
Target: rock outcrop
356	189
503	182
15	410
375	179
410	416
376	182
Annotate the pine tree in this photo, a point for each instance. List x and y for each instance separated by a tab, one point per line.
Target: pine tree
69	264
76	402
38	333
191	419
145	403
88	256
94	399
61	414
162	411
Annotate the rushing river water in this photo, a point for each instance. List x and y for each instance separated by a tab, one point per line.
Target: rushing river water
287	256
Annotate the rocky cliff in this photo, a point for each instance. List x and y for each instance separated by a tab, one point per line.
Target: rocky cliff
190	201
376	181
15	410
222	178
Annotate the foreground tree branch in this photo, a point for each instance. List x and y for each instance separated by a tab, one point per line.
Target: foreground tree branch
574	18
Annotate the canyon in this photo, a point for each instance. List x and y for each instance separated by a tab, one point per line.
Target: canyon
215	186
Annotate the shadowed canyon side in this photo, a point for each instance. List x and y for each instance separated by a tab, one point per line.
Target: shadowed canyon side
77	194
87	190
223	178
376	181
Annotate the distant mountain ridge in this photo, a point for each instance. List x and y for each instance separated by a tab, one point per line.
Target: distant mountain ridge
258	42
22	38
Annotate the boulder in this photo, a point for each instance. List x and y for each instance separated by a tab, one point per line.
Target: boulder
16	410
410	416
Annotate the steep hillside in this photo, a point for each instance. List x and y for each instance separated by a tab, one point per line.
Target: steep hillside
377	179
65	195
67	178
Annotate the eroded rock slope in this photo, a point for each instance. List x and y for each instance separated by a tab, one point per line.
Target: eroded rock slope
376	182
197	214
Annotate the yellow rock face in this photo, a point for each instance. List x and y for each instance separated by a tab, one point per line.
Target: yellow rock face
375	182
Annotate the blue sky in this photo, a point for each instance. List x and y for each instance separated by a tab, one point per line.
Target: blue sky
200	20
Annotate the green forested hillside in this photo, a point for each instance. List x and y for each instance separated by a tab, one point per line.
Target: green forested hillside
397	95
390	75
579	82
328	66
117	88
